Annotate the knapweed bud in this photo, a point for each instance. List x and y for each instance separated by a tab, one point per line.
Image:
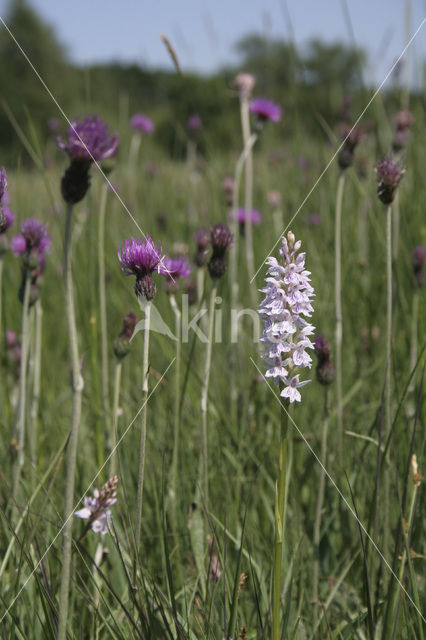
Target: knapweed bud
389	174
352	137
228	186
418	261
145	287
202	241
221	240
245	84
75	182
122	342
325	370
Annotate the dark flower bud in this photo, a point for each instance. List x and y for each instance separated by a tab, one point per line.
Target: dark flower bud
322	347
325	372
389	175
3	221
129	324
202	240
221	239
217	266
352	137
121	346
418	260
404	119
146	287
76	181
4	244
191	291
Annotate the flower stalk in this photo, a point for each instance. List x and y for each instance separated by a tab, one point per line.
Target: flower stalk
102	302
77	392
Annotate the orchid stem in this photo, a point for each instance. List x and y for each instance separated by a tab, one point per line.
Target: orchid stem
280	497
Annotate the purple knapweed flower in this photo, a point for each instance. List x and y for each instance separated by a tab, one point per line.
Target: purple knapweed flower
173	269
141	123
194	122
141	258
265	110
287	302
88	141
6	216
33	242
389	174
221	240
314	219
418	262
96	510
241	216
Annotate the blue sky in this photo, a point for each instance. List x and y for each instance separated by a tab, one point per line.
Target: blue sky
203	33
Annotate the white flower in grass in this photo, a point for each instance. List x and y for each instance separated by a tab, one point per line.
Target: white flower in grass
287	303
96	510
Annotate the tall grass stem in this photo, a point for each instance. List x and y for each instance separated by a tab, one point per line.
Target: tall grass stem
19	426
338	309
115	403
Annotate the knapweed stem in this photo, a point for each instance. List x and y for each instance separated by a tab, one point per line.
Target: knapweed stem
116	399
175	458
338	310
77	392
205	393
142	445
248	195
19	427
102	302
38	311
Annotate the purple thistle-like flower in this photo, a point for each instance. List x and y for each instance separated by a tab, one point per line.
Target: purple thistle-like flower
96	510
285	335
389	175
352	137
89	140
141	123
33	242
9	219
3	183
418	261
141	258
175	268
194	122
265	110
241	216
404	119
